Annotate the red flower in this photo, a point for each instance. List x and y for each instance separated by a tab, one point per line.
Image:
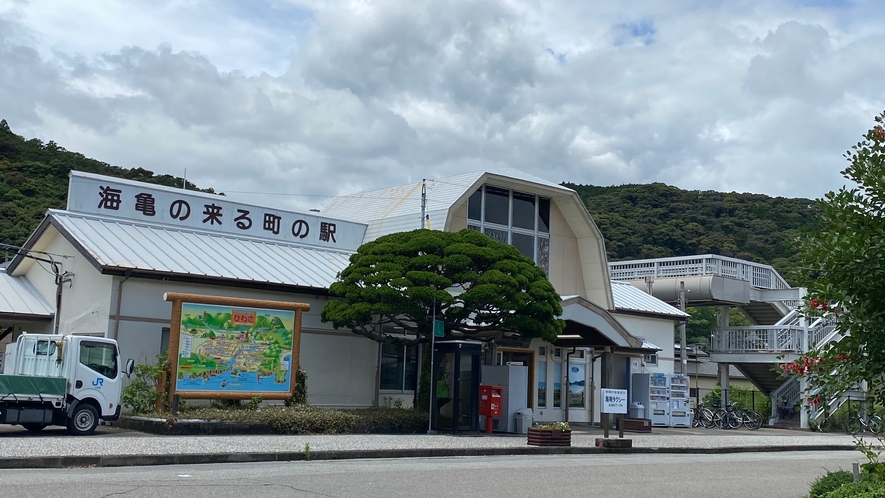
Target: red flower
814	303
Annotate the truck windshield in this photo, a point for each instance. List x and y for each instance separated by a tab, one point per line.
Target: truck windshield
99	356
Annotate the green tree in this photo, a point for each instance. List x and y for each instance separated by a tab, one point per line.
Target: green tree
478	287
844	263
704	320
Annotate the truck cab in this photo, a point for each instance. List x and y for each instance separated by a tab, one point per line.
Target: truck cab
62	380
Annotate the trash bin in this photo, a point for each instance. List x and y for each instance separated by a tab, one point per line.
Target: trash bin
637	410
524	420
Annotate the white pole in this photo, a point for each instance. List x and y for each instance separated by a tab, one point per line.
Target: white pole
423	202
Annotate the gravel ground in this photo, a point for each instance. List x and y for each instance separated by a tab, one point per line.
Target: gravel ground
15	442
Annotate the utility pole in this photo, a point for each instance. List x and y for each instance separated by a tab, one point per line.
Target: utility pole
423	202
683	347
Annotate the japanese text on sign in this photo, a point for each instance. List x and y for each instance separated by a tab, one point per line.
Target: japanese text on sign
96	194
614	401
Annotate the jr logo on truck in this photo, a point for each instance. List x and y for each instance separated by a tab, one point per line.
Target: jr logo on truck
97	383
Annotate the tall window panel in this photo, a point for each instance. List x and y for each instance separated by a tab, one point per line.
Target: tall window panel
513	217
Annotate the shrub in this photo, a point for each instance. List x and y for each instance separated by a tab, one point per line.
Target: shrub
829	482
745	399
390	420
299	395
862	489
305	419
141	395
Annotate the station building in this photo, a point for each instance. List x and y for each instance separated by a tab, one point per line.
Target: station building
102	266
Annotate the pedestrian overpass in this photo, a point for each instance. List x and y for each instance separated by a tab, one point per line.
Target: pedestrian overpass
771	304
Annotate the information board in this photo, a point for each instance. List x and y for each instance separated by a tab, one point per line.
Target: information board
614	401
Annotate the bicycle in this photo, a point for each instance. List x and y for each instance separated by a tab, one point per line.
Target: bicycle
861	423
732	417
702	417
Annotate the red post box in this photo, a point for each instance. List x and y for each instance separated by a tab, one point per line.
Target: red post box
490	404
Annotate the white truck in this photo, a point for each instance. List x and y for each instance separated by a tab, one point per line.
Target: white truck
64	380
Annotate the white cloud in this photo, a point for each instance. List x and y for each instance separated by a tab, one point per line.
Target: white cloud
322	98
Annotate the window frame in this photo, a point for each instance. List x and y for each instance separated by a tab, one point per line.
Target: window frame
402	375
537	233
102	345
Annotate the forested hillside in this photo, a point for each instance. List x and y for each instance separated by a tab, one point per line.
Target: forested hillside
657	220
34	178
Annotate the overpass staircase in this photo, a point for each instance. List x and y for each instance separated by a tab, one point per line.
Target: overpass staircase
779	332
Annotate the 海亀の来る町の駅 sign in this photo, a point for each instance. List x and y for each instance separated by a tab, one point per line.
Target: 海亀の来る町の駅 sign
143	202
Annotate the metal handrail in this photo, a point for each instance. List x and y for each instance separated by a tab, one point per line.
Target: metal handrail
759	338
758	275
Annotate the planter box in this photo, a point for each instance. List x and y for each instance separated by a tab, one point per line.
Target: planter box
637	425
549	437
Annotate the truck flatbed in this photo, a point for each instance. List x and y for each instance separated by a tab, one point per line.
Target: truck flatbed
31	386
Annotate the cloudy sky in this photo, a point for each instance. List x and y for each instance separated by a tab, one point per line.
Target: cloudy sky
310	99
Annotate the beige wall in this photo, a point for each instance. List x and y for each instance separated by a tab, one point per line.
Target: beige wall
459	218
565	266
86	299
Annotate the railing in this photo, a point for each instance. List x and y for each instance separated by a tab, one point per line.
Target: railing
759	339
758	275
822	331
790	390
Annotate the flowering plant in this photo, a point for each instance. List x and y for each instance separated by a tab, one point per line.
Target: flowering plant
554	426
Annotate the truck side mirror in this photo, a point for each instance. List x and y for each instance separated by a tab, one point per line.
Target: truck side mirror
130	365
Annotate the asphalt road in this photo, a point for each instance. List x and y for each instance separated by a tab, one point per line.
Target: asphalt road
771	475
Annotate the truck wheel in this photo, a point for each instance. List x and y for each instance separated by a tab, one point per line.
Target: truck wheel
84	420
34	427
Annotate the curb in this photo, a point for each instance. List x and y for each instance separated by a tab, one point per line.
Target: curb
54	462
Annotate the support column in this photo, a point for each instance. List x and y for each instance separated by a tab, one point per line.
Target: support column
803	399
723	383
607	375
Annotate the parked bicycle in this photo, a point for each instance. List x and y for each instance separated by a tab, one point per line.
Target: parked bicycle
864	423
702	417
732	417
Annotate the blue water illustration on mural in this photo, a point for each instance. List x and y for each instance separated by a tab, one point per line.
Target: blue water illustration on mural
244	382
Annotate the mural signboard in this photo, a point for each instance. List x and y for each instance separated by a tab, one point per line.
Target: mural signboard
230	348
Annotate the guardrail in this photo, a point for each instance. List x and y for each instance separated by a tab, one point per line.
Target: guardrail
758	275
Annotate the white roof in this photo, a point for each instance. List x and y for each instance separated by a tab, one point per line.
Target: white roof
629	298
19	297
118	245
398	209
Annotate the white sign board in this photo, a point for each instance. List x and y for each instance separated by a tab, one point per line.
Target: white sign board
614	401
186	209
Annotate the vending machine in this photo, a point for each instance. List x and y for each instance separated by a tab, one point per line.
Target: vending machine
653	391
680	402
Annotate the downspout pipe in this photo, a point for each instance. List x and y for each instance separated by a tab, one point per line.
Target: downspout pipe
116	330
568	391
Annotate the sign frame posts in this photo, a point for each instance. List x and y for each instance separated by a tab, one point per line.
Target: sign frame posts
178	299
614	401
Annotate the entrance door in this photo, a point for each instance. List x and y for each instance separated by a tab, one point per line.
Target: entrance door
527	358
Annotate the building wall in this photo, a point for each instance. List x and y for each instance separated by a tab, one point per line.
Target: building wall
85	300
565	265
657	331
340	365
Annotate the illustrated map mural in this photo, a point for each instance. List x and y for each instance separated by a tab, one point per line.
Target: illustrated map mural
227	349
